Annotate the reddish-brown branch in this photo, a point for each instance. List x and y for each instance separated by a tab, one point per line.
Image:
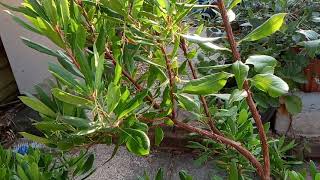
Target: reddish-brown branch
171	81
243	151
202	98
253	109
127	75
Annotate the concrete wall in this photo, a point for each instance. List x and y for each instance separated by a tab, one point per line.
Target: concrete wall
29	67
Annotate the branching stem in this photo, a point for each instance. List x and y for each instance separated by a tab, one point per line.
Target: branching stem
252	106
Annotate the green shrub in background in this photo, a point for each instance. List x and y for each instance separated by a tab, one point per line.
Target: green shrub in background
120	72
35	164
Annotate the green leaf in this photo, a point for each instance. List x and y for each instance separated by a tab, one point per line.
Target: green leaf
270	83
75	121
51	10
84	65
113	97
213	47
34	138
317	177
159	135
99	66
312	47
160	175
117	74
188	103
207	85
233	173
138	142
64	76
64	5
71	99
133	104
184	175
37	105
39	47
240	72
87	165
269	27
313	169
34	171
198	39
24	24
136	7
262	64
66	62
237	95
22	175
233	3
293	104
101	40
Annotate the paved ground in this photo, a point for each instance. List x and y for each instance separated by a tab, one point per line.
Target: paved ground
125	166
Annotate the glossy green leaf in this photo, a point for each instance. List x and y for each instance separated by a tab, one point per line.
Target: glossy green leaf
198	39
293	104
240	72
84	65
313	169
160	175
262	63
87	165
51	10
23	23
70	98
99	66
184	175
233	172
138	142
237	95
270	83
21	174
67	63
39	47
64	5
133	104
159	135
269	27
64	76
207	84
213	47
188	103
233	3
75	121
50	126
117	74
113	96
34	138
136	7
37	105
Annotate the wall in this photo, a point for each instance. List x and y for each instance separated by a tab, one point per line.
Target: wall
8	86
29	67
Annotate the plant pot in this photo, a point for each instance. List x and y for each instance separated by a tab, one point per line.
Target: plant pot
312	72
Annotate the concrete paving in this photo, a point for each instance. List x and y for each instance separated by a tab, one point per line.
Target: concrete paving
126	166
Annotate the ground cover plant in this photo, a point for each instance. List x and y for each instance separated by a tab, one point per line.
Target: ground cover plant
125	66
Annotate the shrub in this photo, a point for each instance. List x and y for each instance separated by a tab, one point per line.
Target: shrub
121	72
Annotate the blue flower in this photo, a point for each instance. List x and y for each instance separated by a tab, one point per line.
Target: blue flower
23	149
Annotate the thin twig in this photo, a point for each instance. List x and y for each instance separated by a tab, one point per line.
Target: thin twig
171	82
243	151
253	109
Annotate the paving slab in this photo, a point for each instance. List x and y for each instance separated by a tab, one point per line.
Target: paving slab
126	166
